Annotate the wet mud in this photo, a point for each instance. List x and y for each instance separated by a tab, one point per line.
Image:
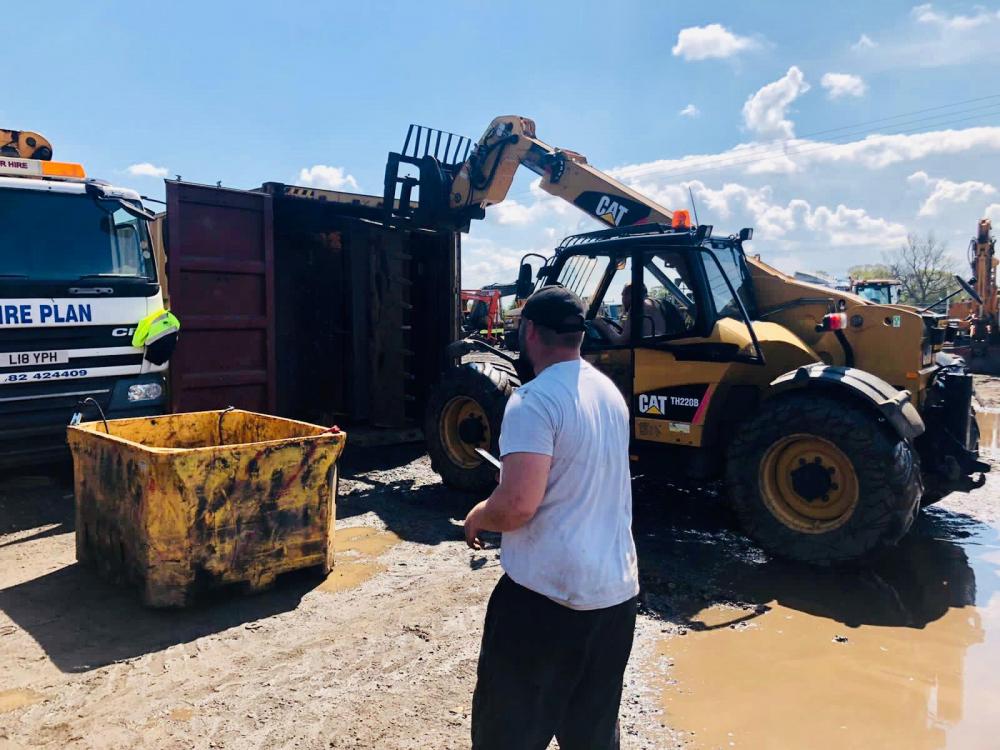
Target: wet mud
900	654
732	648
11	700
989	431
356	553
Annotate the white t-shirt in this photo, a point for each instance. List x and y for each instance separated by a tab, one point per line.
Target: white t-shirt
578	549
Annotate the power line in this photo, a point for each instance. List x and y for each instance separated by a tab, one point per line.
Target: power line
764	152
691	171
902	114
751	155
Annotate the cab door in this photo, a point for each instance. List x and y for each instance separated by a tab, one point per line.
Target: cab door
677	363
613	359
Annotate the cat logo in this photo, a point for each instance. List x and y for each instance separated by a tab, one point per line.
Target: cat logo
657	405
610	211
649	404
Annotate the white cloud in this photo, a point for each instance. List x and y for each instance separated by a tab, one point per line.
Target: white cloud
764	112
927	15
326	177
864	42
935	39
543	205
839	85
145	169
873	152
993	212
711	41
487	262
945	192
690	111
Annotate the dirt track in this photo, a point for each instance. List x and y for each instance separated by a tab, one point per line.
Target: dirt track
383	653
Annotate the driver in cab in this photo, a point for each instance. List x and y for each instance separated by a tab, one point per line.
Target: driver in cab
648	312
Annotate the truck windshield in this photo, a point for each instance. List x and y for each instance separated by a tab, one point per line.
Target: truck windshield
66	237
880	295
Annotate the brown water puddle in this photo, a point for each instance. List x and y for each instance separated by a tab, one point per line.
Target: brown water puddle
902	656
11	700
989	431
356	553
182	714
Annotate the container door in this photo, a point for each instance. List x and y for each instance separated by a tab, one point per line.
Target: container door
221	273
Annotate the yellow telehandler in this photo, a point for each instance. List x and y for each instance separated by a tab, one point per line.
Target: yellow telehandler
830	418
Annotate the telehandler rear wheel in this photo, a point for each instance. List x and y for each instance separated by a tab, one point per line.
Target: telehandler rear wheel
464	412
818	479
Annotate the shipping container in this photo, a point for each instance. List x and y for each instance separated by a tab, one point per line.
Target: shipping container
299	302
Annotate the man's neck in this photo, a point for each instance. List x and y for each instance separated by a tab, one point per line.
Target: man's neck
555	358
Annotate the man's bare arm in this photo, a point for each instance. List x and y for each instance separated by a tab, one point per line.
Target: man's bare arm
515	500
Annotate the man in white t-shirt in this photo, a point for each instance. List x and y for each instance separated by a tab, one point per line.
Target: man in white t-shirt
559	624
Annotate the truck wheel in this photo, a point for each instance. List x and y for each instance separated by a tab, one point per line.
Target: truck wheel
818	479
464	412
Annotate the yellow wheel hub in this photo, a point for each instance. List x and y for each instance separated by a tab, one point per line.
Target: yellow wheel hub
464	427
808	483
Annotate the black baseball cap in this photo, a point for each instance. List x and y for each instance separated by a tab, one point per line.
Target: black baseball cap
555	307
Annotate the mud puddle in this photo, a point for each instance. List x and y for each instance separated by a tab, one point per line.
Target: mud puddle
11	700
989	432
356	553
902	655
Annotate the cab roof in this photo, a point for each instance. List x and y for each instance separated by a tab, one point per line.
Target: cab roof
66	187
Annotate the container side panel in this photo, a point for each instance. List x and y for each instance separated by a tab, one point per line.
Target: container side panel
220	267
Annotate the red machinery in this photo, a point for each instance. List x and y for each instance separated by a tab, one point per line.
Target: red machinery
481	310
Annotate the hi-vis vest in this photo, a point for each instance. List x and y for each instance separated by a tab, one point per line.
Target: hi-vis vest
158	333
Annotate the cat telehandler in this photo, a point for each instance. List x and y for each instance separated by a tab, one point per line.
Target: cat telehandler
831	419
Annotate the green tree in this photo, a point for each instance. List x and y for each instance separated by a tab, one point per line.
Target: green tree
869	271
924	268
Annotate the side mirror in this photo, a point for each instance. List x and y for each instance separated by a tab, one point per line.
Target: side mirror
746	234
969	288
525	285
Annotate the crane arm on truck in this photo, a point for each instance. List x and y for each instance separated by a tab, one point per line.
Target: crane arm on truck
24	144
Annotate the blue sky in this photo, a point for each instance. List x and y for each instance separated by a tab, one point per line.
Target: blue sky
253	92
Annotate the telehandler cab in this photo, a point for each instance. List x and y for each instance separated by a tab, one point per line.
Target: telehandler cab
831	419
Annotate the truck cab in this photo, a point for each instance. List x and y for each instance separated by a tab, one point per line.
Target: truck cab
77	276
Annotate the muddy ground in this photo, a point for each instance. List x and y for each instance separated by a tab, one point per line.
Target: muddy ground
732	649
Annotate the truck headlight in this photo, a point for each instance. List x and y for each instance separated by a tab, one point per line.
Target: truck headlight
144	392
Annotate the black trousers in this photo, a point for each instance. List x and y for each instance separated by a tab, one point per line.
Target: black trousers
548	671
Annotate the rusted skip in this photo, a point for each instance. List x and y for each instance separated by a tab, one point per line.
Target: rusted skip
183	502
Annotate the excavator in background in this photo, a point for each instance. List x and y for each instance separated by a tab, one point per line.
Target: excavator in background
481	313
831	419
979	316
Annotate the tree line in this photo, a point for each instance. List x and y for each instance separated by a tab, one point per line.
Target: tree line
923	267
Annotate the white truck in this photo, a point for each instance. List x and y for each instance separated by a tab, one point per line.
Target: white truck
77	277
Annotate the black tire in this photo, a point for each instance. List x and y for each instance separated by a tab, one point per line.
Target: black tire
886	477
488	381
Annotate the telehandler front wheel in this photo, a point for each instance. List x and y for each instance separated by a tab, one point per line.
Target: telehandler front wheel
464	413
822	480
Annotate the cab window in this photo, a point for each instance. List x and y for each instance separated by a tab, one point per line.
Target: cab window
734	269
582	275
669	307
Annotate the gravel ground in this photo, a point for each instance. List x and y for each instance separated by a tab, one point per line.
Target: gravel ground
381	654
